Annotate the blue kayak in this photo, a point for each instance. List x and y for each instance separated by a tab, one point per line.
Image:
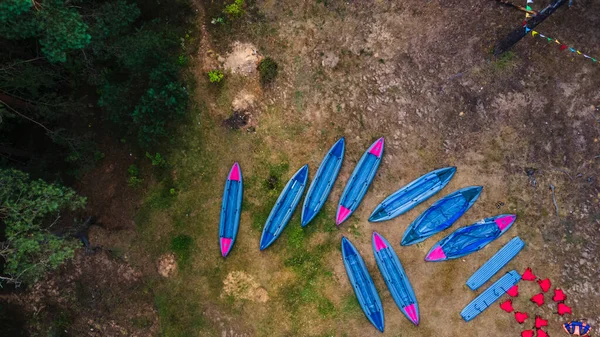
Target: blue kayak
322	183
441	215
284	208
359	181
469	239
231	207
395	278
363	285
409	196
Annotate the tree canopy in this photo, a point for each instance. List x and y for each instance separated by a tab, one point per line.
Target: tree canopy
29	209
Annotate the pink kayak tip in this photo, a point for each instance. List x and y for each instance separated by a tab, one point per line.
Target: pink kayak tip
505	221
379	244
342	214
436	254
412	313
377	148
225	246
235	172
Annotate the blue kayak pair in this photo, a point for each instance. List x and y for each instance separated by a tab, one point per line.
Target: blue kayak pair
393	274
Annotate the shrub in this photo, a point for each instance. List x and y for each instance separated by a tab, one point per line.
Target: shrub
236	9
134	176
215	76
268	70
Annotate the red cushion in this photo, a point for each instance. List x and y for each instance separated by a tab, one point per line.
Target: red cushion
538	299
521	317
559	295
513	291
540	322
564	309
545	284
528	275
507	306
527	333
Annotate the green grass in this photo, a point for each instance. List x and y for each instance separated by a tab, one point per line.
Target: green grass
181	245
180	314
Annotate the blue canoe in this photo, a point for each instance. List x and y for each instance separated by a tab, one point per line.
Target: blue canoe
231	207
284	208
441	215
409	196
363	285
495	263
469	239
395	278
359	182
490	295
322	183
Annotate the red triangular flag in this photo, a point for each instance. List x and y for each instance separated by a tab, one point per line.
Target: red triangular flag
528	275
538	299
545	284
559	295
513	291
507	306
542	333
564	309
540	322
521	317
527	333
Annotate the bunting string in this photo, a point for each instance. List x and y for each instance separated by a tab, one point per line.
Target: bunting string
561	46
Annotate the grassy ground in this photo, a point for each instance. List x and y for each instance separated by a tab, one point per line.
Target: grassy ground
386	83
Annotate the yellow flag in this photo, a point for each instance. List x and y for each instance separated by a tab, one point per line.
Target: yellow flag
557	42
534	33
528	15
578	52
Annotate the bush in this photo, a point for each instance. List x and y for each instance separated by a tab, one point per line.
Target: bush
235	9
268	70
134	176
215	76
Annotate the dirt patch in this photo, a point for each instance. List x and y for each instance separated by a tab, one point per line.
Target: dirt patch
86	298
241	285
167	265
109	198
243	59
237	120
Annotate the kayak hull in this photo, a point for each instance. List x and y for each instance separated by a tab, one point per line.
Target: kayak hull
363	285
469	239
441	215
411	195
359	181
231	207
395	277
284	208
322	183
